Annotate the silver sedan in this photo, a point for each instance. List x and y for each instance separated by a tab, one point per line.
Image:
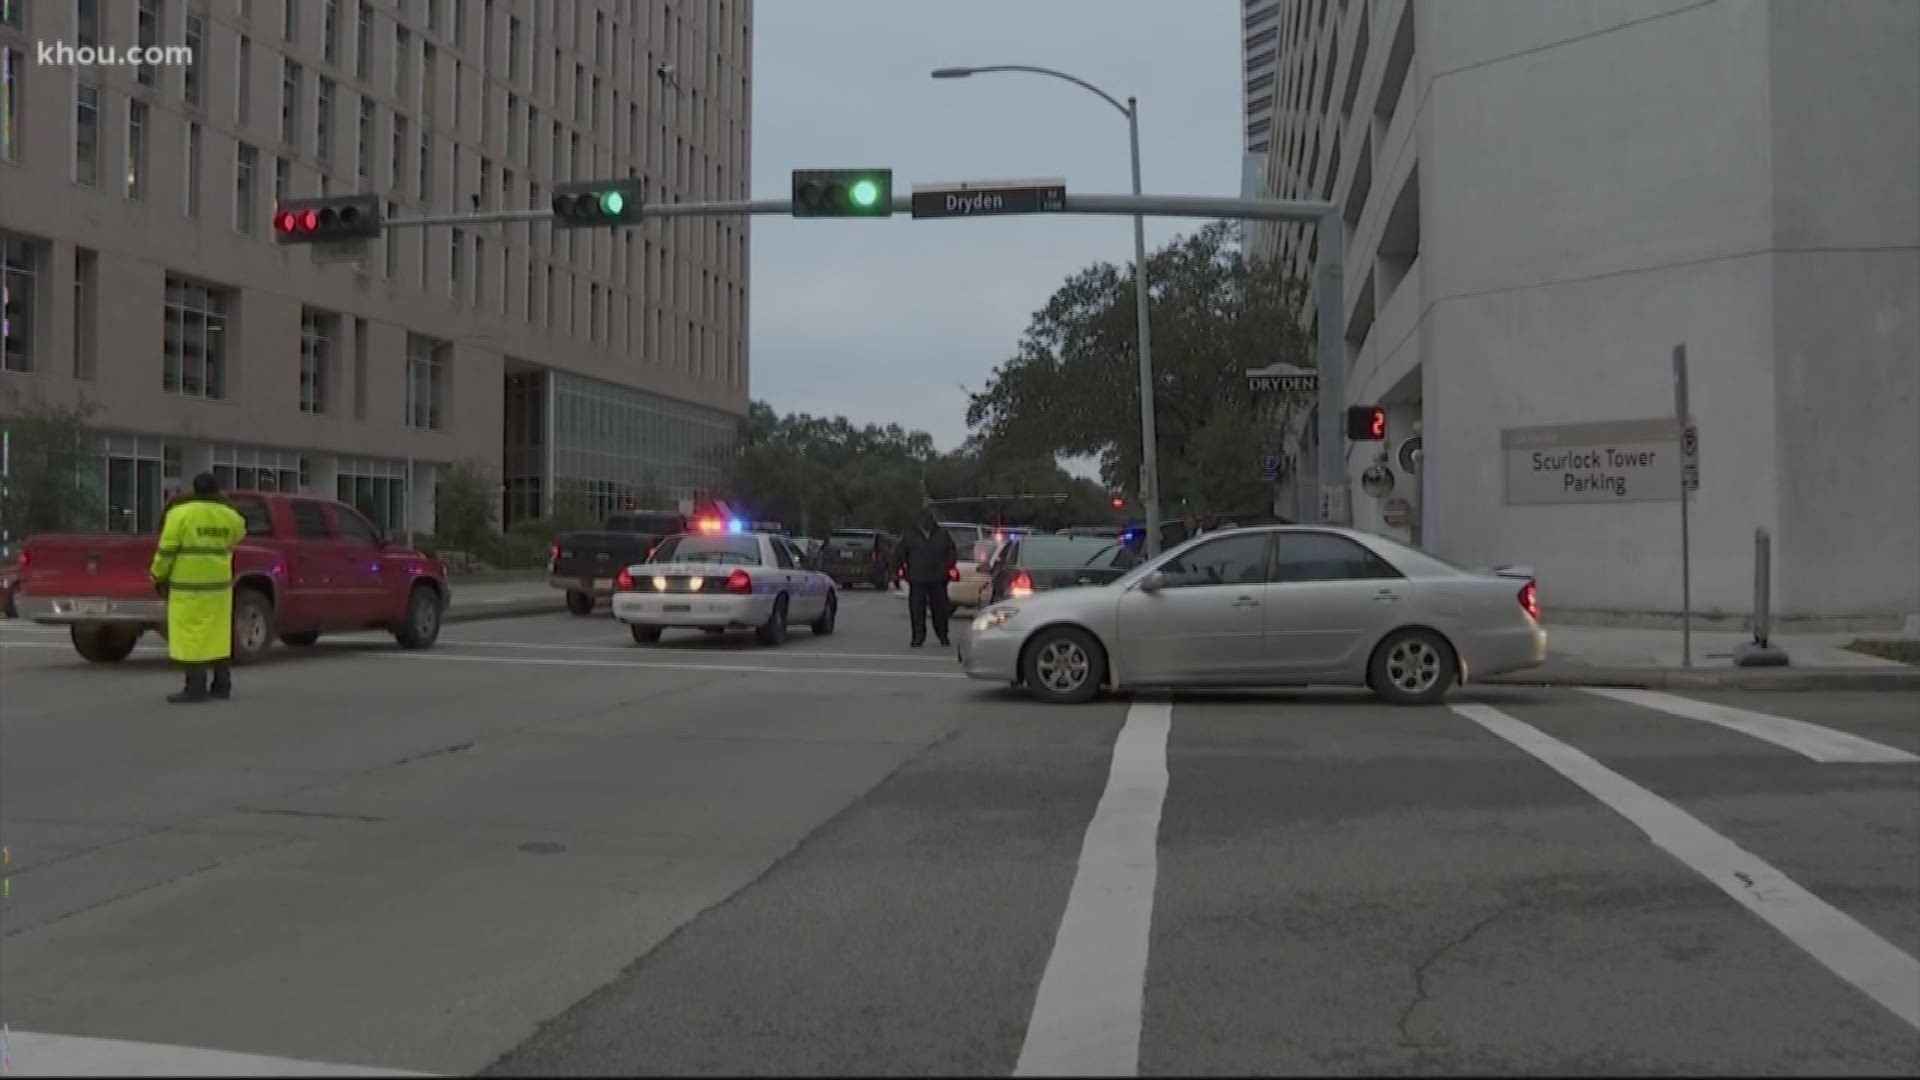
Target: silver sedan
1267	606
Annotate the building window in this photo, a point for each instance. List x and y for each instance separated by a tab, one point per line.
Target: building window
282	180
390	243
426	165
375	487
197	323
19	268
428	54
12	63
246	163
323	122
513	50
192	208
136	149
402	55
363	42
243	468
533	135
513	126
86	23
317	329
426	382
360	369
289	19
396	166
86	133
147	36
242	80
86	312
457	95
366	137
330	31
456	248
196	35
479	272
290	104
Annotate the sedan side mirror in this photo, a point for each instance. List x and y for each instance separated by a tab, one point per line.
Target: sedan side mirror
1153	582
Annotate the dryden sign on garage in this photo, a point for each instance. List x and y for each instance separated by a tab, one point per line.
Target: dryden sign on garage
1609	462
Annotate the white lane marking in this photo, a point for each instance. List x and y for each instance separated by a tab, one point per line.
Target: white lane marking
1870	962
1086	1017
935	656
1822	744
34	1054
760	669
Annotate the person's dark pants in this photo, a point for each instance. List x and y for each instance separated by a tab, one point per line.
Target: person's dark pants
222	672
924	599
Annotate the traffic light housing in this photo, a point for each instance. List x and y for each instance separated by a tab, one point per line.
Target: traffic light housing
586	204
328	218
842	193
1366	423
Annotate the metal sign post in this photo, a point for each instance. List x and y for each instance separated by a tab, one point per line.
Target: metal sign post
1680	404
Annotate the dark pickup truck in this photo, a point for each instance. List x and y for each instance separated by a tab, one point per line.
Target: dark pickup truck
584	564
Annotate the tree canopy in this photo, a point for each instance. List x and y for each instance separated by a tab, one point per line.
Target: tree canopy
1073	384
815	474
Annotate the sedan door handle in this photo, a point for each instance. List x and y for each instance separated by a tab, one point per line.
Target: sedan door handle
1246	601
1385	594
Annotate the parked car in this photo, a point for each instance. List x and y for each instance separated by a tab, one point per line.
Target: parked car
9	575
858	557
967	581
724	581
307	566
1268	606
584	563
1033	563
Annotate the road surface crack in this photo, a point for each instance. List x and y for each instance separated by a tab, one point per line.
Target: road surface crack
312	814
1420	970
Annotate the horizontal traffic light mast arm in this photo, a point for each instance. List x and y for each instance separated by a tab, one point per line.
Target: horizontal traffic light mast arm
1193	206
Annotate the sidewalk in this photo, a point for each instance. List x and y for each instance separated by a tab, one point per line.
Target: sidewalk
1652	659
502	600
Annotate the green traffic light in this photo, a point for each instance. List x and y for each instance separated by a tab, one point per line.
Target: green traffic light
865	193
613	202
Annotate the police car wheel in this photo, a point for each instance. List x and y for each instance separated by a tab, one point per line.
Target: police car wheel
774	630
644	635
824	624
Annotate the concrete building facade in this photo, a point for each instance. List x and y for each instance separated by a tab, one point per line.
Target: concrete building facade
142	274
1541	199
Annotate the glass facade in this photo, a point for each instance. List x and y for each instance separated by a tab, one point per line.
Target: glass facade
616	443
247	468
377	487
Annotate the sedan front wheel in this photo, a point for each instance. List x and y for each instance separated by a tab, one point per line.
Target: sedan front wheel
1064	666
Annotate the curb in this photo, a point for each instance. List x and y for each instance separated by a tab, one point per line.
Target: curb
504	609
1759	679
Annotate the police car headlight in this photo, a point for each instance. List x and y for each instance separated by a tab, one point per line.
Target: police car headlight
994	618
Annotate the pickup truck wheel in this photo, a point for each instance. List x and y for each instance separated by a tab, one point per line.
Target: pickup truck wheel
253	632
774	630
422	627
644	635
301	639
824	624
104	644
579	603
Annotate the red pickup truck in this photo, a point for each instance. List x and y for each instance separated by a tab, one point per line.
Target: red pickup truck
306	566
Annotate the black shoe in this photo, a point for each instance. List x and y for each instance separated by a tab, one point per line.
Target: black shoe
187	697
945	644
222	694
916	644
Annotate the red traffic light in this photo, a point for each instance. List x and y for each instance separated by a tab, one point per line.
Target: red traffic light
1117	502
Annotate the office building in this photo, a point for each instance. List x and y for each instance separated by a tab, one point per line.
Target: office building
142	272
1542	198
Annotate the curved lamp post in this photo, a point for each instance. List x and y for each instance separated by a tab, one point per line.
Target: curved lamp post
1149	455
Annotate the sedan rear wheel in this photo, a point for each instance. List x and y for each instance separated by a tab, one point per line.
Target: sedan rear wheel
774	630
644	635
1413	667
1064	666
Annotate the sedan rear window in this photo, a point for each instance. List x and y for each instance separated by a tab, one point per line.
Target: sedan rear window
851	542
700	548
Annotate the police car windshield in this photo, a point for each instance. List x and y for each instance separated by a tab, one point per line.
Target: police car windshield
701	548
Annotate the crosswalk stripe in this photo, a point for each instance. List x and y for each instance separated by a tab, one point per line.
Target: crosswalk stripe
1874	965
34	1054
1822	744
1086	1017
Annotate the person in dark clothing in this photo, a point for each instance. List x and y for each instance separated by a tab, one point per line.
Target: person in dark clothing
926	552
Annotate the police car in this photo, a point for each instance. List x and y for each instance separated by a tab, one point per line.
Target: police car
724	576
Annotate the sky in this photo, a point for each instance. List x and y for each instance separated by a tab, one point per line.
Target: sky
895	321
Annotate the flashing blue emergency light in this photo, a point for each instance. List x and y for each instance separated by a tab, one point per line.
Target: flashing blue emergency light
1131	535
734	526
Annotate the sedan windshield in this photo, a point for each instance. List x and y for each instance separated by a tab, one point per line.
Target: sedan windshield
700	548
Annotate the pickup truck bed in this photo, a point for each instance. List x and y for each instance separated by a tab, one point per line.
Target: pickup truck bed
584	564
306	567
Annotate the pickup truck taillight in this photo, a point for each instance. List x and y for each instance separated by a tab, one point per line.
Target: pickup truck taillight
740	582
623	581
25	557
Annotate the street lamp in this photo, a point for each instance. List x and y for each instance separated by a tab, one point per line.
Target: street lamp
1149	455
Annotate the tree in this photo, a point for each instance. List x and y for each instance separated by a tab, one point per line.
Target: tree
53	482
463	507
1072	385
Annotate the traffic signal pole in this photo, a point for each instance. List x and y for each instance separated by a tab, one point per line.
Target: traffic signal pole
1329	283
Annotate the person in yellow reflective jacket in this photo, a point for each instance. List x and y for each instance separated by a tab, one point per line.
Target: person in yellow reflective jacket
193	569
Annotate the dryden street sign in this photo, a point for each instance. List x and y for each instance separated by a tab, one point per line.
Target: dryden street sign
986	198
1614	461
1283	379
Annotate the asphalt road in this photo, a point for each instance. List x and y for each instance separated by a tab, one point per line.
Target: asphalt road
540	849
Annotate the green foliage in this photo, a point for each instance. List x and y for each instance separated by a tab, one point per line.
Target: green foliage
463	506
573	509
816	474
1072	386
54	469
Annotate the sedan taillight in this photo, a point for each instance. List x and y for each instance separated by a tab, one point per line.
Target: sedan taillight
739	582
1530	600
1021	585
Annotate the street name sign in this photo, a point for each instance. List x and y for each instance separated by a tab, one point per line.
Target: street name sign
988	198
1284	379
1613	461
339	251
